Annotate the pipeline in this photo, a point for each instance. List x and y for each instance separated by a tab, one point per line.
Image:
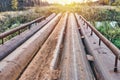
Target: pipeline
12	44
42	66
14	64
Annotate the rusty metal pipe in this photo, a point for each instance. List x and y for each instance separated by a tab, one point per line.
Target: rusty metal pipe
91	50
48	56
12	66
110	45
15	42
7	33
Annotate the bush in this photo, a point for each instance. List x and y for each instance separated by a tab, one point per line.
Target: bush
112	34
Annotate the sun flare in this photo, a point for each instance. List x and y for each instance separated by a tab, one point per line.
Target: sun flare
63	2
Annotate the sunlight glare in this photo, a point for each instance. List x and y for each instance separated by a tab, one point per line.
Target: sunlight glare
63	2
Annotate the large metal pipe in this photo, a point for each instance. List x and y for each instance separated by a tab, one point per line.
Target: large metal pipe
110	45
56	53
12	66
7	33
100	68
12	44
74	65
46	54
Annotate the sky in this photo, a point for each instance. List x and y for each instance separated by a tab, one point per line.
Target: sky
65	1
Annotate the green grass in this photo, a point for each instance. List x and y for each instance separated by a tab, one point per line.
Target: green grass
111	33
14	19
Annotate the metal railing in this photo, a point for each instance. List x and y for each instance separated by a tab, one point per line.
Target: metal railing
18	29
110	45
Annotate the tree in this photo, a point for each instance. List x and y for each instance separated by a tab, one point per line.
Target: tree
116	3
21	4
104	2
5	5
14	4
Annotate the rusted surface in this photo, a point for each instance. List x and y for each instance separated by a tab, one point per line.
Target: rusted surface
12	66
38	57
103	56
56	53
7	33
74	65
39	68
15	42
110	45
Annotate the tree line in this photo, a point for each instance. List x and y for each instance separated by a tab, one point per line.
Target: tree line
110	2
6	5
